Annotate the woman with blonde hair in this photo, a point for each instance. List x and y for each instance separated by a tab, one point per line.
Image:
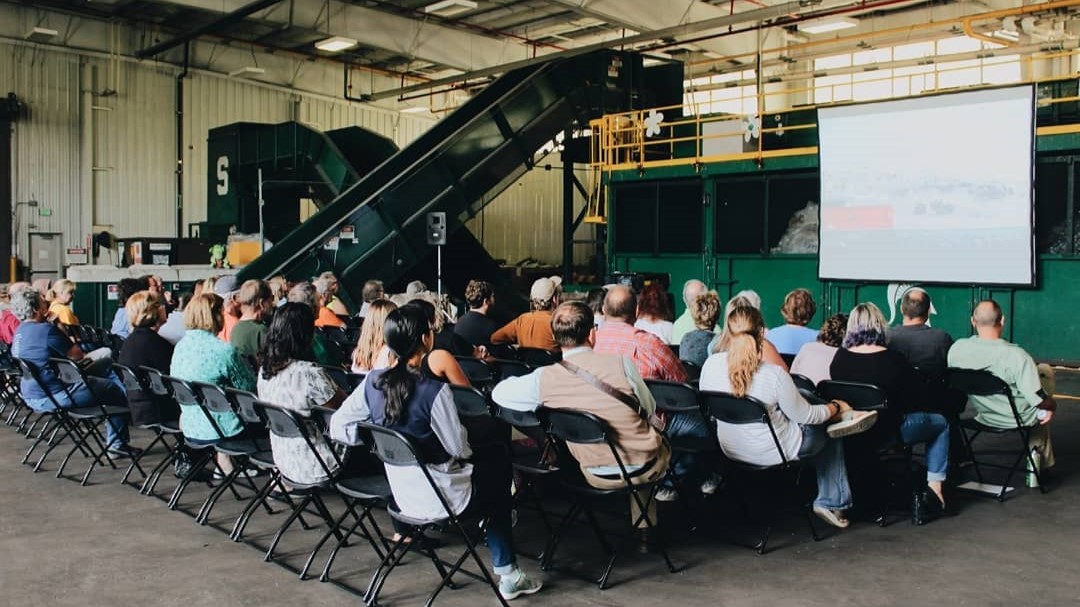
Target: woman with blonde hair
800	427
720	343
371	352
60	295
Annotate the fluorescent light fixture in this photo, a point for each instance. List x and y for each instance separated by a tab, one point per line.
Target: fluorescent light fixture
828	25
445	8
247	71
335	44
41	34
414	110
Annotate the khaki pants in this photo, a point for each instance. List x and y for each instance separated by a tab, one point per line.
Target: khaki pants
653	474
1039	435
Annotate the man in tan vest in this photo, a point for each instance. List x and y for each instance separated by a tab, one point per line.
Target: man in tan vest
640	446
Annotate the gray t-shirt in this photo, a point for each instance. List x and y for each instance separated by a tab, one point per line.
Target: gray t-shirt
924	347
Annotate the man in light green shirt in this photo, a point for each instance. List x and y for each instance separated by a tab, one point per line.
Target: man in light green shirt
685	323
988	351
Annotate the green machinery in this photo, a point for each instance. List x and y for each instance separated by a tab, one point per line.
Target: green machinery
720	222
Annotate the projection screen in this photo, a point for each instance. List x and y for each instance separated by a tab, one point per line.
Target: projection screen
931	189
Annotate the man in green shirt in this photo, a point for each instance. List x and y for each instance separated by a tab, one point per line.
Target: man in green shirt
1030	389
256	305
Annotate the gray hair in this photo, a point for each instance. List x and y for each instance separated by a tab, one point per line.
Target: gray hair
691	289
866	326
751	296
25	302
305	293
322	285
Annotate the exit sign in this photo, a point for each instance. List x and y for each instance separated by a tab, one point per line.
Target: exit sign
43	212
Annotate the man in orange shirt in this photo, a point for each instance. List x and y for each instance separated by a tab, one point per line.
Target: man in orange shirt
326	317
533	329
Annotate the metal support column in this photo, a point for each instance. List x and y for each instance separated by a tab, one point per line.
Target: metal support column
568	211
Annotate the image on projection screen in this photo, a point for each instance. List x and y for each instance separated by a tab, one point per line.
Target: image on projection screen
934	189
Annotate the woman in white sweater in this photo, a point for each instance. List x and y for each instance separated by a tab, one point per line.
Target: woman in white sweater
800	426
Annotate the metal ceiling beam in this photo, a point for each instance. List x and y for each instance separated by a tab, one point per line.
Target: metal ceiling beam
213	27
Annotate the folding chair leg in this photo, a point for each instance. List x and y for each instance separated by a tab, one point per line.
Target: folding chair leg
249	510
269	556
369	535
387	564
334	531
226	484
190	476
548	555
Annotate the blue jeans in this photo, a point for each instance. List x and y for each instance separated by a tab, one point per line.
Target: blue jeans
828	456
686	466
932	429
110	390
491	479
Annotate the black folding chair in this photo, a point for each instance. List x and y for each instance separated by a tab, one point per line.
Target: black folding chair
156	384
287	425
133	383
92	417
340	377
480	374
672	399
804	384
395	449
56	426
730	409
693	370
580	427
538	357
984	383
511	368
474	411
868	397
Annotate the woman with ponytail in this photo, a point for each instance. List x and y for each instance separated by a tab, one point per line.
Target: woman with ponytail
741	370
422	408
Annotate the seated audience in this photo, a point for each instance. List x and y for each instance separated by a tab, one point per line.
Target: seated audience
144	347
642	449
125	289
287	380
653	312
332	301
279	288
404	399
800	427
371	350
439	363
9	323
323	350
326	317
36	341
814	358
924	347
533	329
60	296
685	323
256	307
910	416
477	326
704	310
595	300
768	350
373	289
226	288
1032	385
202	357
173	329
798	310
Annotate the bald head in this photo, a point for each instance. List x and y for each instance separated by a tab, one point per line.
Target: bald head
915	305
620	303
691	290
988	318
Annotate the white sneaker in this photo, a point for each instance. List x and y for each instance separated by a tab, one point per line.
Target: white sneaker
710	485
852	422
516	584
666	495
835	518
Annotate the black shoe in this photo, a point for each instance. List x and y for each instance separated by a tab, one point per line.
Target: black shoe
124	452
926	507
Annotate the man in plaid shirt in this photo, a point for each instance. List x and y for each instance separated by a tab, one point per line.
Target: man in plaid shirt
654	360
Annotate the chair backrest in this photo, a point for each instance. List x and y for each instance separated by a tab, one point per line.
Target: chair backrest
537	357
574	426
479	372
864	397
355	379
284	423
340	377
731	409
213	397
156	381
244	404
977	382
803	382
517	419
673	397
693	370
470	402
132	382
512	368
392	447
182	390
67	370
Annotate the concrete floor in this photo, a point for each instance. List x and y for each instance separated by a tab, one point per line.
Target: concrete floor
65	545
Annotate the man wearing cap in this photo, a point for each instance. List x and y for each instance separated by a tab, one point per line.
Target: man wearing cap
533	329
225	287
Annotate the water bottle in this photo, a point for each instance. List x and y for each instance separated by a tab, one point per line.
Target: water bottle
1032	479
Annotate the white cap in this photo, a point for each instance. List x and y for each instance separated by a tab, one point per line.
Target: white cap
544	289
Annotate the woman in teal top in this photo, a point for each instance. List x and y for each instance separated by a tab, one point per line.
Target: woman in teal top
201	356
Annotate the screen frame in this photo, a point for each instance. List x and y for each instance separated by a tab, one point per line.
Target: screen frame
1032	255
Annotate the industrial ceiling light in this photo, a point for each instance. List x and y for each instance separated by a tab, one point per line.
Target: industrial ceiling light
41	34
247	71
446	8
335	44
828	25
